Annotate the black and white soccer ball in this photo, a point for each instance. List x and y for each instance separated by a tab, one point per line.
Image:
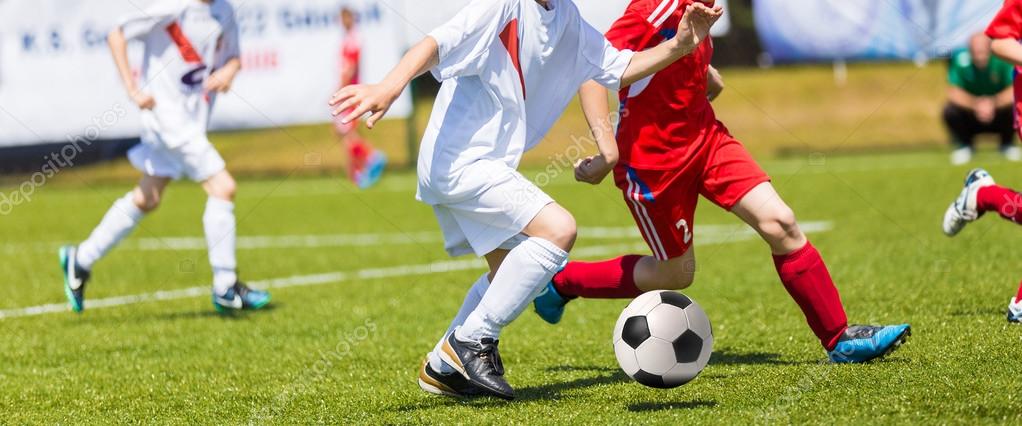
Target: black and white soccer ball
663	339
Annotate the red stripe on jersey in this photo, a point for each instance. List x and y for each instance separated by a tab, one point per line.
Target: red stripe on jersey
184	46
510	39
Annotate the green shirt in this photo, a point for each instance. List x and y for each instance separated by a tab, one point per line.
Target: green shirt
986	82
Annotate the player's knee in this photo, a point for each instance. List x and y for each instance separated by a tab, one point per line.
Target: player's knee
564	232
146	202
223	187
780	225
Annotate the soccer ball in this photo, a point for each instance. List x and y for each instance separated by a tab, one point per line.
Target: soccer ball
663	339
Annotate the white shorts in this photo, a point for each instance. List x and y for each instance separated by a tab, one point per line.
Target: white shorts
493	219
197	160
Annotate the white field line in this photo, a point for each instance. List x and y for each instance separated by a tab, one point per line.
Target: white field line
374	239
708	235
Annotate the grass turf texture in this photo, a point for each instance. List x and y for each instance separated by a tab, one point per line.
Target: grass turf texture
347	352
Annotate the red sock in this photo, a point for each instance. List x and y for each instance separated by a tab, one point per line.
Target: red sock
1004	201
610	279
1018	297
807	280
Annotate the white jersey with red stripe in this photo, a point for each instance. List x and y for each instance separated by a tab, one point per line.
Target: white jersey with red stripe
185	40
509	68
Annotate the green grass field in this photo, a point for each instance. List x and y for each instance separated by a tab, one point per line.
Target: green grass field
362	288
358	303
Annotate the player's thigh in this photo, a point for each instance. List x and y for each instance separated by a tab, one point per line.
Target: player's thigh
663	205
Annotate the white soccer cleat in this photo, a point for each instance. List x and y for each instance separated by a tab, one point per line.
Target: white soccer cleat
961	156
1012	153
1015	311
963	210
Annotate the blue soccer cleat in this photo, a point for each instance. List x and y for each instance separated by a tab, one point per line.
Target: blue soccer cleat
550	304
373	171
75	278
240	297
864	343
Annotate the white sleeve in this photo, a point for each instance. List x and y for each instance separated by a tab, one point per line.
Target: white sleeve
607	62
464	41
156	16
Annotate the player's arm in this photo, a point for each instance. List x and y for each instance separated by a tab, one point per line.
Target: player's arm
119	50
1008	49
714	84
960	98
1005	98
595	106
221	79
377	98
693	28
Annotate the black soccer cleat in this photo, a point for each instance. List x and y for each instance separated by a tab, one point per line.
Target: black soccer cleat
75	278
479	362
453	384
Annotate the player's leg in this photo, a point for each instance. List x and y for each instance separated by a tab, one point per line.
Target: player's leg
118	222
663	207
438	377
735	182
472	348
365	164
963	127
799	265
981	195
1015	307
1003	125
220	225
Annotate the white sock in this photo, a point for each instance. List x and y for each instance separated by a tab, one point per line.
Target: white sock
118	222
526	269
472	298
218	220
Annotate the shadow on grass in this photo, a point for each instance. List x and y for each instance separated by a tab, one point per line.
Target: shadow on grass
550	391
732	357
676	405
211	313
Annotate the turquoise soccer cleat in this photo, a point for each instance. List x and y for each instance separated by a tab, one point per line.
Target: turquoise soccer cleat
864	343
550	304
240	297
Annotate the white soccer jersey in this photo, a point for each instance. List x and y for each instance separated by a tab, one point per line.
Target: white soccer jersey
509	68
185	40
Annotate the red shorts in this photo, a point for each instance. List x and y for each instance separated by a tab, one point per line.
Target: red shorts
663	202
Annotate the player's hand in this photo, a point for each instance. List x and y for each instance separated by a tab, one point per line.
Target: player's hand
593	169
985	109
143	100
695	24
219	81
362	98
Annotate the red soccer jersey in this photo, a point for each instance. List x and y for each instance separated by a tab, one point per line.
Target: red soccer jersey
351	50
1008	22
665	118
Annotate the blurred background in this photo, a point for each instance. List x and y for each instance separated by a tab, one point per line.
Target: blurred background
814	76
